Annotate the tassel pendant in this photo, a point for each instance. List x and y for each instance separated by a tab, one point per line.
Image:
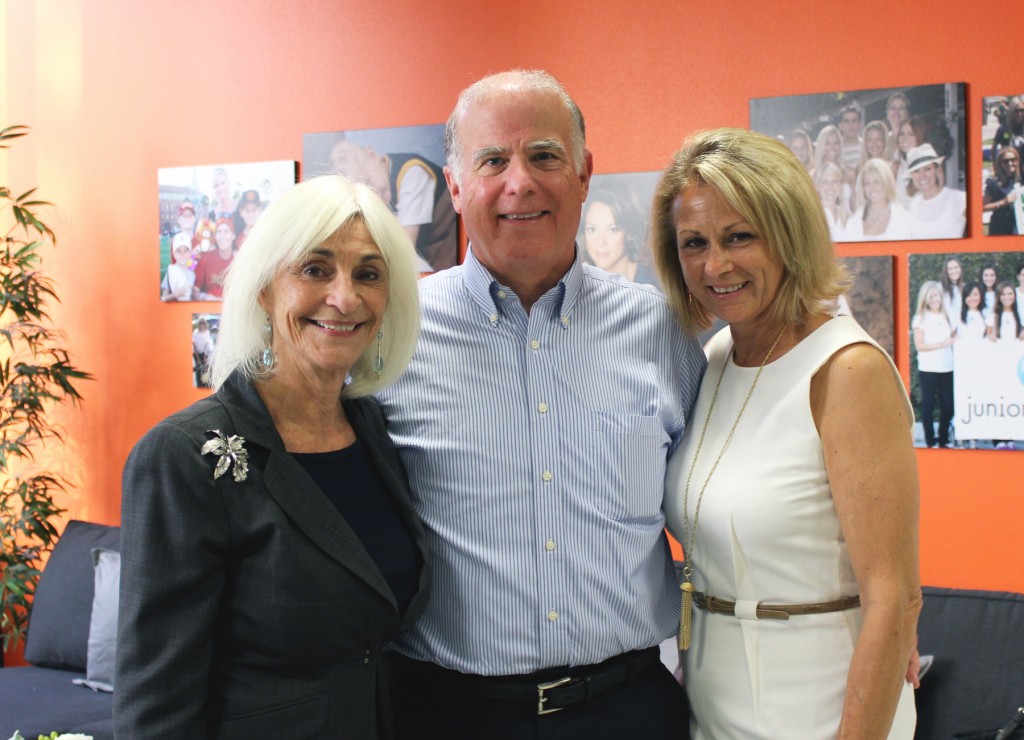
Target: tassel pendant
686	615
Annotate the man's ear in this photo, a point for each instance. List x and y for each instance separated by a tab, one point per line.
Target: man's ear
453	188
588	170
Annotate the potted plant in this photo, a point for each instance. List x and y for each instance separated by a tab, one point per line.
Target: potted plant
35	373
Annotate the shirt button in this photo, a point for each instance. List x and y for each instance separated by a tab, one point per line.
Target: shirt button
549	545
547	476
542	407
494	317
534	344
501	294
552	615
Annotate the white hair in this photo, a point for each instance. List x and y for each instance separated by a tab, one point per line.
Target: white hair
292	226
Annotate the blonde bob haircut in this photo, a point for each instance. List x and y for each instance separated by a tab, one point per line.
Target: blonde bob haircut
294	225
763	181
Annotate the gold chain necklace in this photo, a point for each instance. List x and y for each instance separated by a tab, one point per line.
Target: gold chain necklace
690	531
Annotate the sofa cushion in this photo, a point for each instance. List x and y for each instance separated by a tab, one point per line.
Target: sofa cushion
58	625
41	700
977	678
103	626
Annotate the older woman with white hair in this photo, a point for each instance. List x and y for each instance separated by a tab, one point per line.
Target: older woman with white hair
269	548
936	212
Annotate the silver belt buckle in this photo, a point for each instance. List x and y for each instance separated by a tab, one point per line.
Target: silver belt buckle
542	687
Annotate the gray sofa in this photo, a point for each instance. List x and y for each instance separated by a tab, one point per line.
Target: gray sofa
40	698
976	680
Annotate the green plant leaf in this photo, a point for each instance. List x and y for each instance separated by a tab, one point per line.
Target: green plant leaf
36	374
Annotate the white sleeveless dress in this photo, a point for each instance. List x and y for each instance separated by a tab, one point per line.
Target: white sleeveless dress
769	532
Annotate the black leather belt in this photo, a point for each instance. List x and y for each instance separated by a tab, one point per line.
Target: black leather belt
551	690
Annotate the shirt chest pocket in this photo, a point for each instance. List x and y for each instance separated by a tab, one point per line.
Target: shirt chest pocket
628	457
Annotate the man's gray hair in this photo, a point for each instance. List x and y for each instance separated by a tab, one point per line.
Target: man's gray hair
528	80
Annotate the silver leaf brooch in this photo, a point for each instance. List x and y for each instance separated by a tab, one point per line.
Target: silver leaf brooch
229	450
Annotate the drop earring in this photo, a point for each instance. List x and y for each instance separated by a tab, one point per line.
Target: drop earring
378	362
268	354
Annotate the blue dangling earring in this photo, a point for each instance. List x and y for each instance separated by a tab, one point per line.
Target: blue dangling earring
378	362
268	354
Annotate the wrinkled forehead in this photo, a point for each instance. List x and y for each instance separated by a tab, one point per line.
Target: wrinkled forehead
508	115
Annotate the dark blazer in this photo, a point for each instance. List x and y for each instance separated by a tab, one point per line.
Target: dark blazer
250	609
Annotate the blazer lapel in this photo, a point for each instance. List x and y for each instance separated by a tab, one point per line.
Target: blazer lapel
313	513
295	492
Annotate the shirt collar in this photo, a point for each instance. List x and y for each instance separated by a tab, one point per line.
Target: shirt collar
484	290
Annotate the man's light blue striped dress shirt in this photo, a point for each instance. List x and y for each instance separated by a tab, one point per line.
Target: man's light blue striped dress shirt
536	446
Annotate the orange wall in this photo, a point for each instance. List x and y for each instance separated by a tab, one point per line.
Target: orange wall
113	94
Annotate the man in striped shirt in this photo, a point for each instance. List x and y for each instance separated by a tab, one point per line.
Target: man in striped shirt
535	421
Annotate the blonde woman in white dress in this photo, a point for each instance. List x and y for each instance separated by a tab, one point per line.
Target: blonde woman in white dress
800	530
879	215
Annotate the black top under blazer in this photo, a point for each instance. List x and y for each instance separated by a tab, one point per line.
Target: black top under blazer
250	609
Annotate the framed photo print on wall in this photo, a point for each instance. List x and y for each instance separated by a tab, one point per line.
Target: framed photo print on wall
869	300
405	165
1002	152
967	349
206	213
205	328
889	163
613	229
